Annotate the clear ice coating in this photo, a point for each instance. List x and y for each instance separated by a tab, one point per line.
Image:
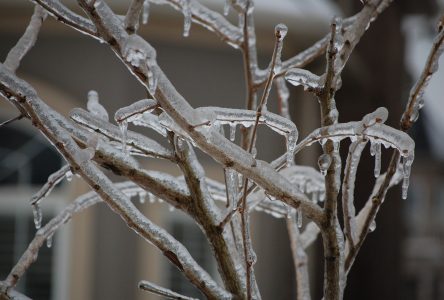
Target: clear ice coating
324	162
95	107
308	80
375	150
134	110
38	216
146	11
49	240
186	10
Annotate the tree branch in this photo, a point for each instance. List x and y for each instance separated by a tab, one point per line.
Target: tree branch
27	41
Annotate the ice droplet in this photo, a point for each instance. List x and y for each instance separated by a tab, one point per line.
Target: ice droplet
37	212
280	31
68	175
372	226
146	11
49	240
324	162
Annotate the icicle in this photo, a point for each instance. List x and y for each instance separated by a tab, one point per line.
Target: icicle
226	7
289	211
142	197
68	175
124	130
407	165
291	147
171	208
324	162
146	11
151	198
186	9
232	131
49	240
254	151
372	226
375	150
37	212
299	218
152	78
232	185
315	196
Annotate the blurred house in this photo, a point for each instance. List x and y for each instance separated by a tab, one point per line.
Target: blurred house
97	257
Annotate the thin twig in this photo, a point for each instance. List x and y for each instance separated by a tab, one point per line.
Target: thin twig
161	291
19	117
52	181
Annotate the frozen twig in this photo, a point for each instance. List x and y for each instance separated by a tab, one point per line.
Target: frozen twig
62	14
416	97
207	214
161	291
209	19
53	180
27	41
19	117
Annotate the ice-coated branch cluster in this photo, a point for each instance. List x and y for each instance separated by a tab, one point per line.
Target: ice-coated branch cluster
307	199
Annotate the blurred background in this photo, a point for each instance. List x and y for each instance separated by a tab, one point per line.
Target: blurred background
97	257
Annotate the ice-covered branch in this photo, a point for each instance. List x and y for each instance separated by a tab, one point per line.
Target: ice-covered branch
10	294
416	97
140	144
348	189
62	14
27	41
211	20
161	291
209	140
44	118
300	260
53	180
207	214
